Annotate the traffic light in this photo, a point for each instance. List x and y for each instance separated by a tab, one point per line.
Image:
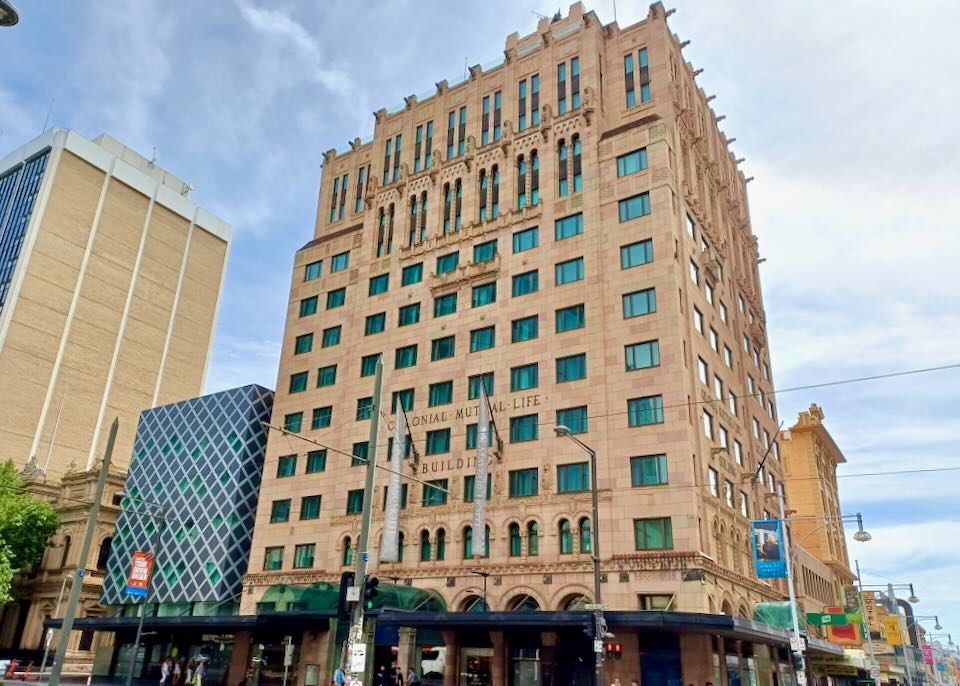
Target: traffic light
343	609
617	651
798	663
608	650
370	591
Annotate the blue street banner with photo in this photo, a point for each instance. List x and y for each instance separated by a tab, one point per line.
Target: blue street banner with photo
768	555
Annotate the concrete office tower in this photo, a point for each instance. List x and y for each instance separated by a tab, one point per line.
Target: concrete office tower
569	226
109	284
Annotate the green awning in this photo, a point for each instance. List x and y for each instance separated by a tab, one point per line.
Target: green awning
322	596
776	614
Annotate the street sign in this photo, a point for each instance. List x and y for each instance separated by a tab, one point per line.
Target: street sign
874	672
353	594
801	678
598	646
358	658
366	556
830	619
595	606
796	644
288	655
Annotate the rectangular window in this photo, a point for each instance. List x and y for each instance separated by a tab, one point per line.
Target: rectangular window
280	511
574	418
303	556
744	505
637	206
535	100
524	483
405	356
303	344
524	428
469	487
485	120
443	348
525	283
644	76
714	340
639	303
497	114
524	378
435	493
645	411
698	320
713	482
484	294
440	393
573	478
569	271
447	263
336	298
632	162
403	496
575	83
568	227
408	314
444	305
308	306
653	534
339	262
286	466
522	105
694	272
355	501
562	88
703	371
375	323
273	558
571	368
482	339
635	254
528	239
331	336
412	274
298	382
438	441
405	397
708	425
327	376
322	416
462	132
361	452
312	270
293	422
364	408
471	443
718	387
728	493
316	461
368	364
642	355
570	318
629	82
728	356
379	284
484	252
648	470
476	381
525	329
310	507
732	402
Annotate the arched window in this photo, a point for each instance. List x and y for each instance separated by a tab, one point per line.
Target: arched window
441	544
566	537
495	192
586	536
534	177
347	552
577	175
564	187
458	220
533	538
423	217
104	554
521	182
484	183
400	547
66	551
516	546
467	542
447	203
424	546
412	230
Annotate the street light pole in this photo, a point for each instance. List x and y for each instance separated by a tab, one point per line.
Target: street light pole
146	596
798	645
866	624
908	648
486	607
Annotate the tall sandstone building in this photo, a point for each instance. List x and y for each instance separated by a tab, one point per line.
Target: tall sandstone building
569	227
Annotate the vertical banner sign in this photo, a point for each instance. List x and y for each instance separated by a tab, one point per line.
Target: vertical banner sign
481	475
928	653
870	608
768	553
851	599
891	627
140	569
390	547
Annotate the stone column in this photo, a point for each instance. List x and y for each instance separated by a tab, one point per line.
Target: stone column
239	658
548	656
501	660
627	668
696	659
407	650
313	651
451	666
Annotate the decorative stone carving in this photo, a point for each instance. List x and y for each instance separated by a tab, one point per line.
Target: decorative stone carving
475	72
380	115
547	479
410	101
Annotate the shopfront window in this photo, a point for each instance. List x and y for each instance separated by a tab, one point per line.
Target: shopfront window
525	667
733	669
475	666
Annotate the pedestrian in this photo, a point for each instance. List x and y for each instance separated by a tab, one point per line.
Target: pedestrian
412	678
616	681
178	672
381	678
200	672
188	672
338	677
166	671
398	677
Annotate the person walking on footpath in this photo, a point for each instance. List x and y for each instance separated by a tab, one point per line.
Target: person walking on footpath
166	671
412	678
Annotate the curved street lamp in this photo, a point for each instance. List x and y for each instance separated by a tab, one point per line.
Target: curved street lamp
8	13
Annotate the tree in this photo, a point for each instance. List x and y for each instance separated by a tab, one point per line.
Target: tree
26	525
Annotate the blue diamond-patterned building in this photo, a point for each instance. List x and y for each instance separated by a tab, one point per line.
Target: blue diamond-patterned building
201	460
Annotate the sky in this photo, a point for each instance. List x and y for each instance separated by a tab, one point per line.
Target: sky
846	114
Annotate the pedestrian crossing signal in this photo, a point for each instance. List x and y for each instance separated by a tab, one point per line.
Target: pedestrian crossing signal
614	651
370	591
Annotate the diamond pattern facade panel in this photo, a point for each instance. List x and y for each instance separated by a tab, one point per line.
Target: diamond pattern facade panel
199	460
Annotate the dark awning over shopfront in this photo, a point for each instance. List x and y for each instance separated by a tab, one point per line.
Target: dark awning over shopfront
312	620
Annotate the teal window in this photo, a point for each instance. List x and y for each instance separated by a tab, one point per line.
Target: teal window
310	507
482	339
575	83
516	543
568	227
327	376
308	306
571	368
440	393
312	270
570	318
468	542
524	378
653	534
293	422
635	254
322	417
316	461
562	88
444	305
524	483
273	558
525	329
644	411
406	400
298	382
574	418
586	535
403	495
280	511
375	323
412	274
405	357
443	348
642	355
484	294
528	239
573	478
364	408
425	547
447	263
632	162
484	252
526	283
331	336
303	555
286	466
354	502
566	537
475	382
368	364
569	271
533	538
360	451
347	544
644	76
648	470
379	284
336	298
472	431
637	206
470	484
303	344
523	428
340	261
407	448
438	441
409	314
435	493
639	303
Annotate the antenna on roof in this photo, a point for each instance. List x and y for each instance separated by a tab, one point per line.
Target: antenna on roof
542	16
153	160
49	112
557	17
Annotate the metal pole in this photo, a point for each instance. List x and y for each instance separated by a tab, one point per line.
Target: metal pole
866	624
71	611
792	594
908	648
486	607
598	623
46	648
146	596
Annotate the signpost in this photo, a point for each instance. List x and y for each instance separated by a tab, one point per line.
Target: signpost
140	568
